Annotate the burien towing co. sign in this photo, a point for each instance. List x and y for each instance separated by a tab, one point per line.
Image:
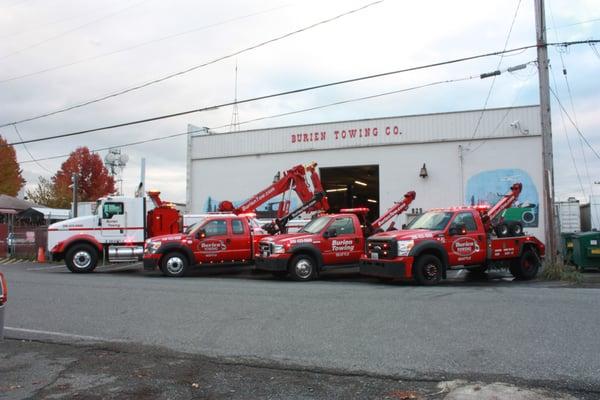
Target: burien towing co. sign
363	133
343	134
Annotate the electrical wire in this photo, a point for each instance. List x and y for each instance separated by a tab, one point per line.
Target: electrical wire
195	67
142	44
489	94
28	152
577	23
36	44
575	125
275	115
279	94
253	99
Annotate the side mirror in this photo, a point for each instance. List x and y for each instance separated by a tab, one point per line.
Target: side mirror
458	229
201	234
329	233
404	226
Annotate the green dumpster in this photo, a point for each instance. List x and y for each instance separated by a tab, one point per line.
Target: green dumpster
566	246
586	250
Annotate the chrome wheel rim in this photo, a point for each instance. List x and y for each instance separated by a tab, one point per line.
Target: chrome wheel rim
82	259
175	265
303	268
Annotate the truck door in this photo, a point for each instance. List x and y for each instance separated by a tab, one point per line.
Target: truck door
346	246
466	248
211	242
240	242
113	220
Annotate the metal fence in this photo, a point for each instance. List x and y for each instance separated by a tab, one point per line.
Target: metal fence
23	241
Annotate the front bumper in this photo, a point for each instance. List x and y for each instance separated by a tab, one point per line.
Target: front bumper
400	267
273	263
151	261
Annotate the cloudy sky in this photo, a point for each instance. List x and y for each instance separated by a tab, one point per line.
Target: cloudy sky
58	53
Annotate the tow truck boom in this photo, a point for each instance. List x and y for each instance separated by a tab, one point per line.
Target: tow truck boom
292	179
397	209
505	202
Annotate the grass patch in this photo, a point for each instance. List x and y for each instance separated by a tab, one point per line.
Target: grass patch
559	271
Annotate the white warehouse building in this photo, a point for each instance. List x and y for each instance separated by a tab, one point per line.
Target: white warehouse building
449	159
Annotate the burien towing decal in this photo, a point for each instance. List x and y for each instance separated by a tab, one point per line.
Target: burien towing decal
213	245
350	133
342	245
465	246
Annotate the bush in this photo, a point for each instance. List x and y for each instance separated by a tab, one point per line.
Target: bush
559	271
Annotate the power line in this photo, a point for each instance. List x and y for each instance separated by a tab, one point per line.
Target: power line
195	67
253	99
577	23
275	115
125	49
279	94
28	152
489	94
106	16
575	125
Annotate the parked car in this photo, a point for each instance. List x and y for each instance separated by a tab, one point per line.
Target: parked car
3	299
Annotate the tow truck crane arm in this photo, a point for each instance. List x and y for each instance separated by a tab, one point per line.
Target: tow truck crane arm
397	209
487	216
292	179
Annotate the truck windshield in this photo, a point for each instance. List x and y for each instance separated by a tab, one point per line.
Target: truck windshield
190	228
315	226
433	220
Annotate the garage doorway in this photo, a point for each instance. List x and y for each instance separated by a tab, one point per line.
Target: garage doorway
351	187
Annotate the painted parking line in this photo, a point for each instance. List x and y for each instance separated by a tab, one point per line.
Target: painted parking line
12	332
44	268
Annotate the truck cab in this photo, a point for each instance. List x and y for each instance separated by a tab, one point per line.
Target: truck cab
114	232
214	239
448	238
326	242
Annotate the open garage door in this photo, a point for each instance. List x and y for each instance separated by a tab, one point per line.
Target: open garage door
349	187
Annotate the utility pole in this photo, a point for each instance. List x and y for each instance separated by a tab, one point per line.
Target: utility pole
75	182
547	153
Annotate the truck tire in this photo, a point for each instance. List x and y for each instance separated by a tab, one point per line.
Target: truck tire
526	266
174	265
302	268
81	258
501	230
428	270
515	229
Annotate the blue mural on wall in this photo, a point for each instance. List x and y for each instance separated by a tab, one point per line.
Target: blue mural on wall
488	187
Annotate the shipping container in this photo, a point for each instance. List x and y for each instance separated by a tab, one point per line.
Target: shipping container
569	216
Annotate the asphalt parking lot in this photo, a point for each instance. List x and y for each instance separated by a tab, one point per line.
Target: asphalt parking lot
486	328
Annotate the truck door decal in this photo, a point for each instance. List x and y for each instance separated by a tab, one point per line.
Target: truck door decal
465	246
212	245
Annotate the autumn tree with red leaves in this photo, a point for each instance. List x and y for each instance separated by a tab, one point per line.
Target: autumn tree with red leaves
11	180
94	180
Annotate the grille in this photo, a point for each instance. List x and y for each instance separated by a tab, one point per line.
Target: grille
381	249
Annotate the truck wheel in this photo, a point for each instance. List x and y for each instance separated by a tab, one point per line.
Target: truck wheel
174	265
302	268
516	229
81	258
428	270
526	266
501	230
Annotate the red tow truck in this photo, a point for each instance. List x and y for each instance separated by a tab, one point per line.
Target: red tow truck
230	236
328	242
457	237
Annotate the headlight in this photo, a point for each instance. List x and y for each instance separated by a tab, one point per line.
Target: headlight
404	247
278	249
151	247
